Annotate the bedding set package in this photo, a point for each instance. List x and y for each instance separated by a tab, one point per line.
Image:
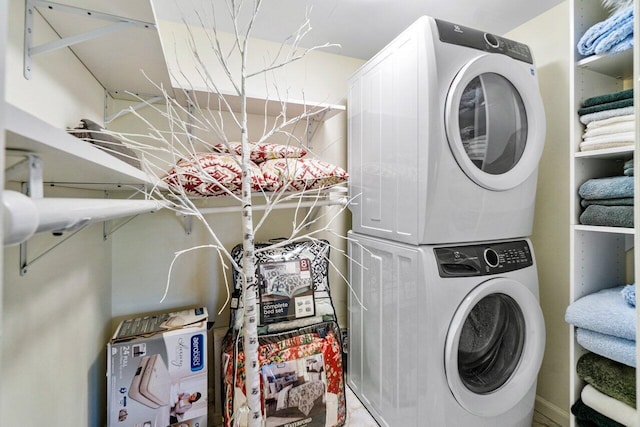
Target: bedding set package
300	347
157	371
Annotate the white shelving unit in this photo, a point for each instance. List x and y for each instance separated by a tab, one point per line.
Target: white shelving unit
70	162
598	255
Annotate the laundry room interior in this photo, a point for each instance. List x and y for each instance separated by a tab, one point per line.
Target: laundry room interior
318	213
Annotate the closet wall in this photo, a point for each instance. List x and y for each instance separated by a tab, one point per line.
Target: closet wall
550	231
58	317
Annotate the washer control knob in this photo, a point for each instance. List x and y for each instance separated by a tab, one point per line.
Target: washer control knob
491	257
491	40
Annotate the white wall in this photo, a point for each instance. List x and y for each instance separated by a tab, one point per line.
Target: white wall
548	37
57	317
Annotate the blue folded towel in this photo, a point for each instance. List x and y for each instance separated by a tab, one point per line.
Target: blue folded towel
614	348
604	312
621	46
607	188
629	294
608	33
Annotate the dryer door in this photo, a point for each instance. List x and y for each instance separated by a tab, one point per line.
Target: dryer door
494	347
495	121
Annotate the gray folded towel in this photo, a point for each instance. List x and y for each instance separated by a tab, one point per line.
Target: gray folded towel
608	216
614	187
625	201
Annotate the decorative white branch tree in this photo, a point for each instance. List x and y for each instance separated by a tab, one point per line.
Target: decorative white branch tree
163	149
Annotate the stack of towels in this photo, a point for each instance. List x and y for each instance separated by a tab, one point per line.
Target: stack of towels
605	325
611	36
609	120
609	201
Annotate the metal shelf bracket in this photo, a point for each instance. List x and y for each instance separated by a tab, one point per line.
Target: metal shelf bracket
118	23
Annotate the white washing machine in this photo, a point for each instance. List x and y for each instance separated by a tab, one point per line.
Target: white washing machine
445	335
446	129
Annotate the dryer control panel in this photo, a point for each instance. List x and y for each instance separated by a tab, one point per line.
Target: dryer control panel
465	36
483	260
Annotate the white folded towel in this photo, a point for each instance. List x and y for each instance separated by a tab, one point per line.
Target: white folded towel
601	115
609	407
604	145
606	122
615	137
620	127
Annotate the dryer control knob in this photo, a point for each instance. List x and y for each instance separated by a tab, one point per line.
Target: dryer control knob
491	257
491	40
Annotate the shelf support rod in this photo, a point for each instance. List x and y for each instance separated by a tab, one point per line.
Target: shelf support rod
25	263
312	126
30	51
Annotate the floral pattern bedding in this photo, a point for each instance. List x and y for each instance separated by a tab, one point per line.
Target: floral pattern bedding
320	339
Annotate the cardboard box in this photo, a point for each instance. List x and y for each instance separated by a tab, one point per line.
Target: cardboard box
157	371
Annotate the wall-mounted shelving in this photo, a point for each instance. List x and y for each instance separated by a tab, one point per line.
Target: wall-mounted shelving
67	160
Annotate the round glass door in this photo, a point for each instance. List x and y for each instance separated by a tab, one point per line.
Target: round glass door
491	343
495	121
494	347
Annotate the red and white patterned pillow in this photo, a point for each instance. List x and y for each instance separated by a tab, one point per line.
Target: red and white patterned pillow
263	152
301	174
208	174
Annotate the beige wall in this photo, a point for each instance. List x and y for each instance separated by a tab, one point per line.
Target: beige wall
548	37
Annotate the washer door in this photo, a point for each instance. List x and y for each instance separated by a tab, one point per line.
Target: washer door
495	121
494	347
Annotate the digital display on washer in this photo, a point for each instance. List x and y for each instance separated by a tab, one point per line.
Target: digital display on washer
483	260
469	37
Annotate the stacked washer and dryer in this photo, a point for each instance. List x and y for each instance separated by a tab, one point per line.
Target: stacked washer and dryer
446	129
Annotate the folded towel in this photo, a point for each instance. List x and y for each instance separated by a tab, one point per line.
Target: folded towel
587	417
614	128
608	216
606	114
612	120
615	348
625	201
604	145
629	294
628	172
609	377
608	406
604	312
608	106
620	46
607	188
615	27
609	97
627	169
613	137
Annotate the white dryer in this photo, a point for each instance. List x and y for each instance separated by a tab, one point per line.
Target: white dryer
446	129
445	335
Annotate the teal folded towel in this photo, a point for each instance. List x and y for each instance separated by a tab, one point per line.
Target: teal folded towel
609	377
623	201
629	294
606	106
608	216
614	187
628	168
609	97
587	417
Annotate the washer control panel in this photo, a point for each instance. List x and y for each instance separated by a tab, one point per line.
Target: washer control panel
465	36
483	260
